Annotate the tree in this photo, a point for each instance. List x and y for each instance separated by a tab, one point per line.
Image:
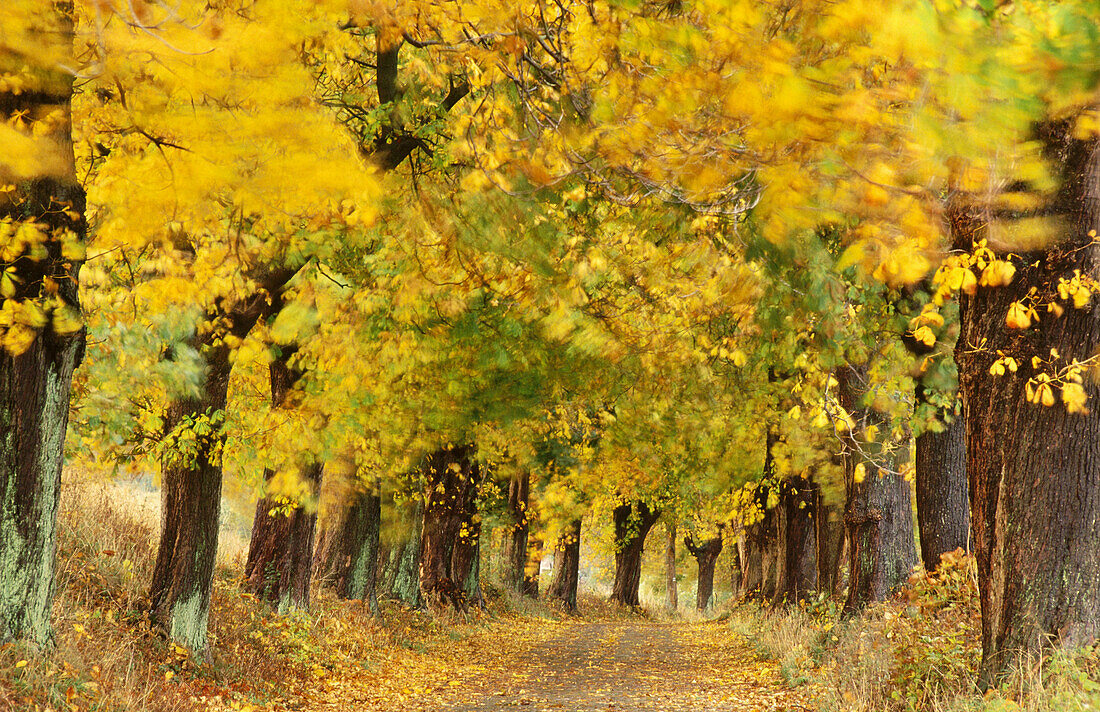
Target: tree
943	509
670	568
42	233
514	553
878	514
567	559
632	520
706	555
798	543
1029	458
280	551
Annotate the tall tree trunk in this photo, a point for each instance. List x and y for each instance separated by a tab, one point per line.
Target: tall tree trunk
706	555
515	536
633	521
466	558
878	512
1034	471
533	567
451	473
798	546
349	563
735	571
943	510
829	519
405	585
280	553
670	569
567	561
191	480
760	551
37	362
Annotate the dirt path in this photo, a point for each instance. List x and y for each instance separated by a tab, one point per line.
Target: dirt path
628	667
531	665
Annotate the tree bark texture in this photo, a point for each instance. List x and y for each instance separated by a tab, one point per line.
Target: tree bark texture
1034	471
633	521
452	479
36	377
878	512
191	480
829	521
943	509
736	574
514	552
405	583
350	560
670	569
798	544
706	555
567	561
280	552
759	551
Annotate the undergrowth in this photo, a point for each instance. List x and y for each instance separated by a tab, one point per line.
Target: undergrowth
919	651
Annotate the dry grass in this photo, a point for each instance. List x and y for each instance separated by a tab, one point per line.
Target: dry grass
108	657
918	652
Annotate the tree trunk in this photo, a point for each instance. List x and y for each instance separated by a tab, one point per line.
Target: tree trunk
670	569
878	513
37	363
191	489
735	571
451	473
350	561
829	519
632	523
706	555
533	567
466	559
405	585
759	556
1034	471
567	561
798	548
280	553
191	481
515	537
943	512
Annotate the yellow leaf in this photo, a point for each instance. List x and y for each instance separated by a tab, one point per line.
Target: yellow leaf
21	664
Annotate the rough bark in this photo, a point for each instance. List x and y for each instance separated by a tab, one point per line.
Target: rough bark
829	520
798	544
514	552
349	562
35	383
466	557
706	555
878	511
567	561
943	509
451	474
1034	471
633	521
405	586
670	569
280	553
759	551
191	480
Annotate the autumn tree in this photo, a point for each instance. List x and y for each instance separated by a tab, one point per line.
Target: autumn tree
42	235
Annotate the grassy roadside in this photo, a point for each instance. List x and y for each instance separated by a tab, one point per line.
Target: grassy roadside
919	651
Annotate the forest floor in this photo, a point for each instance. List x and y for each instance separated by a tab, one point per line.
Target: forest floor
572	666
